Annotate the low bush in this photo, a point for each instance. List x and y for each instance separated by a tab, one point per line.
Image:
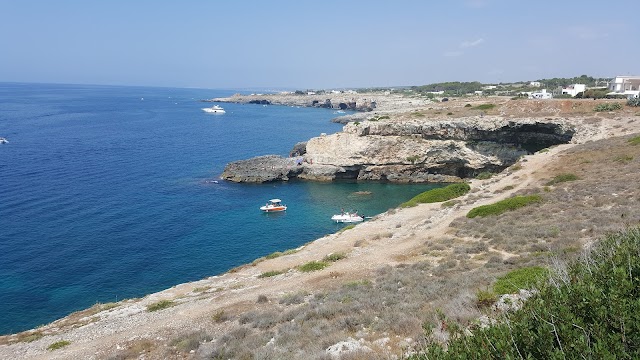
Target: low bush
191	341
523	278
503	206
160	305
633	102
485	298
58	345
484	175
485	107
634	141
334	257
467	105
313	266
562	178
623	159
348	227
439	194
608	107
271	273
588	310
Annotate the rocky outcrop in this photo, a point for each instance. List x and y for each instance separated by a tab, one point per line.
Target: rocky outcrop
410	151
263	169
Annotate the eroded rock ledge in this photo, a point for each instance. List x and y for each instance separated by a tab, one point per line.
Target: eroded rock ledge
408	151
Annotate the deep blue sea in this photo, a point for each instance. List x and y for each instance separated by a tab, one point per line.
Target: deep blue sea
106	193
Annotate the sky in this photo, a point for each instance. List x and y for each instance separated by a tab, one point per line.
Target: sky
328	44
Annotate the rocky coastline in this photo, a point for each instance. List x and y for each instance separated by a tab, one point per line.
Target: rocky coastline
408	151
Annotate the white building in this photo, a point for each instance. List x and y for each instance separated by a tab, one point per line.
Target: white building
625	85
574	89
543	94
535	84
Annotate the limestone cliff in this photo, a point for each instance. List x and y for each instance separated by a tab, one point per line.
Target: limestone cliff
412	151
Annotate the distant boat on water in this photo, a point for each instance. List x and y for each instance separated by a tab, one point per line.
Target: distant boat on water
3	140
215	109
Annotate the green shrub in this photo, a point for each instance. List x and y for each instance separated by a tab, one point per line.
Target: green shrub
160	305
30	337
485	107
590	310
503	206
623	159
634	141
334	257
449	203
467	105
439	194
412	159
524	278
633	102
562	178
313	266
58	345
274	255
608	107
449	113
271	273
485	298
484	175
348	227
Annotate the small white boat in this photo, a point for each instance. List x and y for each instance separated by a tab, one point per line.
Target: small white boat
3	140
274	205
215	109
346	217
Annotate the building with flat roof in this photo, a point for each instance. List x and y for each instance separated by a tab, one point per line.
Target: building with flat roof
628	86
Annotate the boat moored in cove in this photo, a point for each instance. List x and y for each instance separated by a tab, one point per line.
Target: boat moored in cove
346	217
274	205
215	109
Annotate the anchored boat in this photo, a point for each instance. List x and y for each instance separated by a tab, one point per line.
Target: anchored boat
274	205
346	217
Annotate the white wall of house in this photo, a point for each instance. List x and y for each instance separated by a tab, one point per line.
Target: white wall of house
574	89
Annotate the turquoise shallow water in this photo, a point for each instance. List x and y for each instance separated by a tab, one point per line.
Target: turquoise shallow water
105	193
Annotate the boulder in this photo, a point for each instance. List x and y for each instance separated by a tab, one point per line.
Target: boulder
263	169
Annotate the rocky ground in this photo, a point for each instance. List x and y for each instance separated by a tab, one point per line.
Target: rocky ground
386	276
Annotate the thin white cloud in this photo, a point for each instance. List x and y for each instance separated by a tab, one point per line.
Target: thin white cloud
463	45
468	44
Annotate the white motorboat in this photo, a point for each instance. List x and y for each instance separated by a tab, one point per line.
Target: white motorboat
3	140
274	205
346	217
215	109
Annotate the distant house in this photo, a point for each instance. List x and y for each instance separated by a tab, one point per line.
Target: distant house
489	87
574	89
535	84
628	86
542	94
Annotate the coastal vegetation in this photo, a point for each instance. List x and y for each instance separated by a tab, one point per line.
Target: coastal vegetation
562	178
160	305
313	266
503	206
485	107
438	194
607	107
634	140
484	175
588	309
271	273
58	345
